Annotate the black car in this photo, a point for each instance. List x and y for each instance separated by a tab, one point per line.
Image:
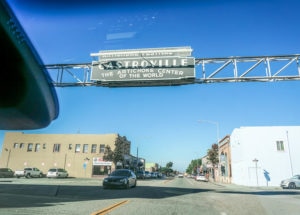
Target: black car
123	178
6	173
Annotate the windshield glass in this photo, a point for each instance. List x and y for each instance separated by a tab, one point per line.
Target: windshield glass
205	88
158	119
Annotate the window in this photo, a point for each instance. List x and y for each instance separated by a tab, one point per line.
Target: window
16	145
29	148
102	148
70	146
85	148
21	145
94	148
77	148
56	147
44	145
280	145
37	147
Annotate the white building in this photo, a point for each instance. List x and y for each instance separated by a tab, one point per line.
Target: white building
256	151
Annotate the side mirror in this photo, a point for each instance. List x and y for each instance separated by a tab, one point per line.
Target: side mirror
27	96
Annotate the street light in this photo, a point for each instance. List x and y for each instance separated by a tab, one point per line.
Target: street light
8	156
255	161
288	142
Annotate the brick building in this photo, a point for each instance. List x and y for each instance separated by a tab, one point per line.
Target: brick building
225	160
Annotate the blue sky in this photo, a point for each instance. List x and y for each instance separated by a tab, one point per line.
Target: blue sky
163	122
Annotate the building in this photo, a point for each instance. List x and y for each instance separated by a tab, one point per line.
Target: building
206	166
224	175
80	154
264	155
211	167
151	167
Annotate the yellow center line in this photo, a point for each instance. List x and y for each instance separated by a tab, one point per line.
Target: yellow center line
110	208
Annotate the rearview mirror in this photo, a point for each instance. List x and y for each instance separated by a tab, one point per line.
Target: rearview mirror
27	96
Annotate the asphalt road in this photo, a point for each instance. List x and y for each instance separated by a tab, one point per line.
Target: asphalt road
150	197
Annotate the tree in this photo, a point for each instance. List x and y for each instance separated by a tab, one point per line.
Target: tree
213	154
167	169
169	165
192	168
122	147
108	154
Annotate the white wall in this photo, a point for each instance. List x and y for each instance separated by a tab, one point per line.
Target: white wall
248	143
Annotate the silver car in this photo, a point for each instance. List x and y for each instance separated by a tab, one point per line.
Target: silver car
57	173
291	183
201	177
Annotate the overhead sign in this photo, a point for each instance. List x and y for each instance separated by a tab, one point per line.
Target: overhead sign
144	65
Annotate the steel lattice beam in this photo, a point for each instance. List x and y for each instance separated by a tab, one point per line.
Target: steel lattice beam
208	70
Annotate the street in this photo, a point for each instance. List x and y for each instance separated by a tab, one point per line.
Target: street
160	196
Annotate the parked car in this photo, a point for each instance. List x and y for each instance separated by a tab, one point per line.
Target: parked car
147	174
6	173
57	173
141	174
123	178
29	172
154	175
291	183
201	177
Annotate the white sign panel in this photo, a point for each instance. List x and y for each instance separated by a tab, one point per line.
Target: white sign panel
144	65
101	162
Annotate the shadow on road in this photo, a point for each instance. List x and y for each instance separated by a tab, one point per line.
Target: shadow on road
22	195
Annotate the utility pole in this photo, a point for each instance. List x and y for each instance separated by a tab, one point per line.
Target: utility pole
288	142
137	158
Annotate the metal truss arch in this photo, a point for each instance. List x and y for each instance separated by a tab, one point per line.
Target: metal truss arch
208	70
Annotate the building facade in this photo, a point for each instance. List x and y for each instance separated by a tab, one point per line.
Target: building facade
206	166
80	154
264	155
224	174
151	167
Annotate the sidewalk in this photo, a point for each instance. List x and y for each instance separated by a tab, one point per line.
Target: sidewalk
236	186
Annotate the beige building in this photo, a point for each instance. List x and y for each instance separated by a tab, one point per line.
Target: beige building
80	154
206	166
151	167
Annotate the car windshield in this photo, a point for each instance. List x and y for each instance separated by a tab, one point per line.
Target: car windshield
206	88
120	173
